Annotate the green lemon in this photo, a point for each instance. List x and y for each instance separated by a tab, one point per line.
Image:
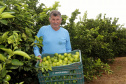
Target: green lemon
77	53
54	64
7	77
76	56
65	54
55	60
44	58
56	54
59	55
62	57
48	57
65	59
71	59
58	63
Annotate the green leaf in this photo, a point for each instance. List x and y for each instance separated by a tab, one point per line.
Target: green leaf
42	69
1	67
8	61
5	36
98	63
9	51
24	36
1	41
7	16
12	67
4	22
2	3
3	72
36	38
17	62
5	82
8	12
10	39
28	32
2	57
2	9
21	82
2	46
21	53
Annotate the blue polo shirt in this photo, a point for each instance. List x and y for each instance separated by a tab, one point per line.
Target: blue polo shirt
53	41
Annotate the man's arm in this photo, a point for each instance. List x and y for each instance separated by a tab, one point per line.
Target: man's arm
68	43
36	49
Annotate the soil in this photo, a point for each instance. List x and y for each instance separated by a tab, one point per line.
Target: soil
117	77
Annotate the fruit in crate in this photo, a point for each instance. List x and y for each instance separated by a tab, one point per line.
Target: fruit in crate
59	60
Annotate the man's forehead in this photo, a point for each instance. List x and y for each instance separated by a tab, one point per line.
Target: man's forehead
55	16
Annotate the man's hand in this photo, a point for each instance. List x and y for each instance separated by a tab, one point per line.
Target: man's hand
40	59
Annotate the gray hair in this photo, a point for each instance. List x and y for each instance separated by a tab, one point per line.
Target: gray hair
55	13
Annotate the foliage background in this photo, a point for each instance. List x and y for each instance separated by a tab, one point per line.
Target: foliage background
100	40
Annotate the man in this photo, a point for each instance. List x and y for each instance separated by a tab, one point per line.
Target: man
55	38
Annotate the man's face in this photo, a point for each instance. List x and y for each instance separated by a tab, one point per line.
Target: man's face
55	22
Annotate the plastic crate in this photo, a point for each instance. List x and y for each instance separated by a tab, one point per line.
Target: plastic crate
67	74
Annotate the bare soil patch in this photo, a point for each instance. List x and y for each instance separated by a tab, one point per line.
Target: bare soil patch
117	77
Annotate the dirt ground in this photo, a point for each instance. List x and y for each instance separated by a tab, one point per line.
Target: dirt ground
117	77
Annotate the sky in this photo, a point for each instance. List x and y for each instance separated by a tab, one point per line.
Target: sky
112	8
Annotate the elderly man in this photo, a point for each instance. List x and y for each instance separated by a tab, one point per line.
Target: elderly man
55	38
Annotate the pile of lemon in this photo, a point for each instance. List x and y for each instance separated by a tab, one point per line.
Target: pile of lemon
60	60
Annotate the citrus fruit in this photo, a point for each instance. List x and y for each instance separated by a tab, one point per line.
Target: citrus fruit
65	59
7	77
48	57
65	54
44	59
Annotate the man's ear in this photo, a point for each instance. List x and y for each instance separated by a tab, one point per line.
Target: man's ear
49	19
61	19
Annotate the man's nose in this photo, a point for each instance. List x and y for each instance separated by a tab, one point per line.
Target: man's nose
55	21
